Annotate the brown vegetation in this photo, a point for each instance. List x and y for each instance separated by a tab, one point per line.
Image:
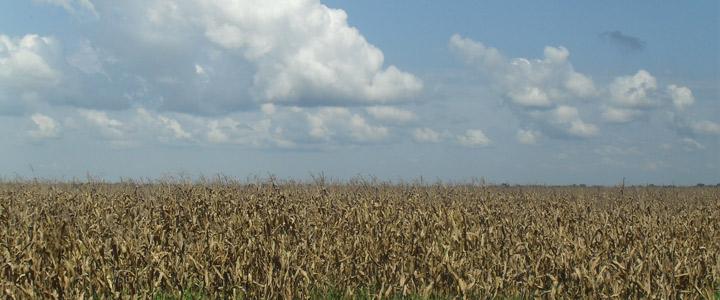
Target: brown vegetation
291	240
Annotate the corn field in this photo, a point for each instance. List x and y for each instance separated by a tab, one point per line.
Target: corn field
297	240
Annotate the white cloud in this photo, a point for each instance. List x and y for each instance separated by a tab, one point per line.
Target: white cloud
634	91
473	138
690	144
217	56
426	135
682	97
556	55
319	128
217	128
565	114
362	131
536	83
250	132
570	115
303	50
73	6
565	119
167	124
200	70
87	59
255	134
528	136
109	127
175	127
338	122
46	127
538	88
541	89
580	85
619	115
268	108
633	96
391	114
530	97
691	128
705	127
285	127
25	63
476	53
581	129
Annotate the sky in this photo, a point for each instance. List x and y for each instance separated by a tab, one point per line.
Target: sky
522	92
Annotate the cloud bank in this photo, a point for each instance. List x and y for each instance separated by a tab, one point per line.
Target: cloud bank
296	74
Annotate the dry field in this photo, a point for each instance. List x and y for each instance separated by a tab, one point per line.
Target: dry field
357	240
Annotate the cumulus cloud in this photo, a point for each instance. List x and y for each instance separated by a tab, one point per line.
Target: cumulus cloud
528	136
564	115
303	51
426	135
564	120
391	114
685	123
216	133
622	40
619	115
538	88
46	127
337	122
259	133
293	127
214	62
214	57
537	83
174	127
541	91
87	59
581	129
705	127
476	53
682	97
220	131
26	62
688	127
634	91
473	138
268	108
285	127
29	72
633	96
108	127
35	72
167	124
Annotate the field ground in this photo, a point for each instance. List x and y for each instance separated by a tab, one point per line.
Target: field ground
265	240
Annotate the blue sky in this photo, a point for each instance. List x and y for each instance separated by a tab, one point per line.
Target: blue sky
552	92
